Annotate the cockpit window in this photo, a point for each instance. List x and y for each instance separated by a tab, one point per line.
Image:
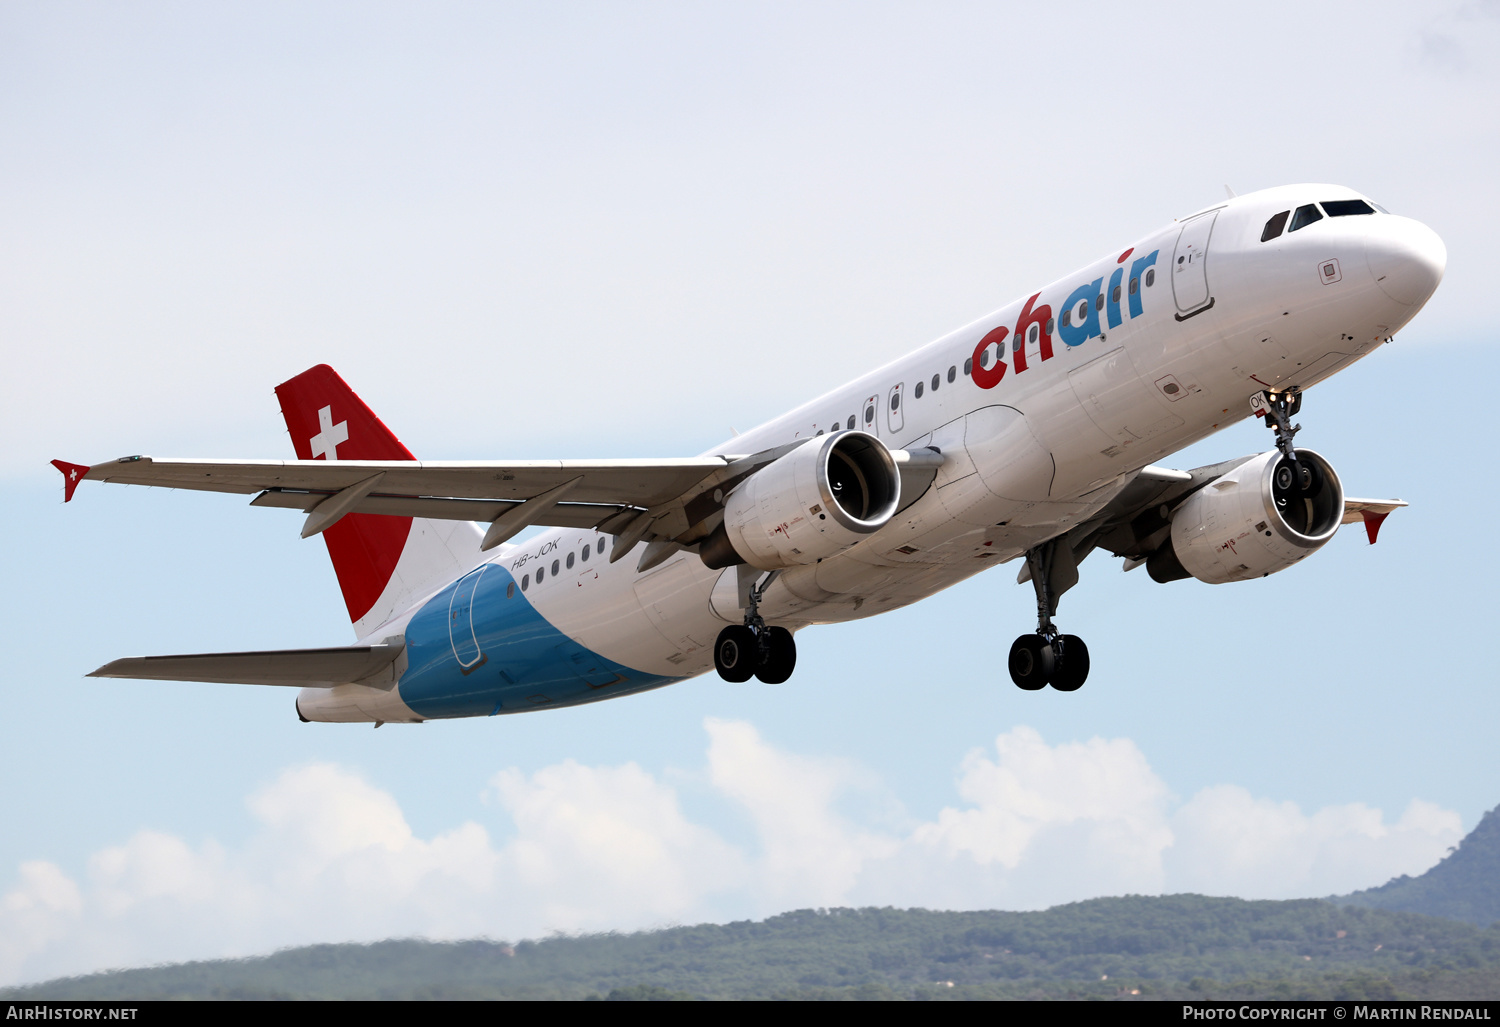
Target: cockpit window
1344	208
1275	226
1305	216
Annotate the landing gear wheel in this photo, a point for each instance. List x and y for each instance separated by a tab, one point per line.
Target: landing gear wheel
778	656
1071	664
736	653
1030	662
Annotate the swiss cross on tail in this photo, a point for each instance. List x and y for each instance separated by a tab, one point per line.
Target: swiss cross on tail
326	442
327	421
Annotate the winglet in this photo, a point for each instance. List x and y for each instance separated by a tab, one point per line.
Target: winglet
72	475
1372	511
1373	521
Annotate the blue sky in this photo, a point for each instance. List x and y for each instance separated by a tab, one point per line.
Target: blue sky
529	231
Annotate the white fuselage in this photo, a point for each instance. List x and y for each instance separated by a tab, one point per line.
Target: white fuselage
1217	317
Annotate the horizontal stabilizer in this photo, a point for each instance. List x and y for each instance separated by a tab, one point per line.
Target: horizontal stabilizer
307	668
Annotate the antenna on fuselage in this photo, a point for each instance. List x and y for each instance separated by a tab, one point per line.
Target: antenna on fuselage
1229	193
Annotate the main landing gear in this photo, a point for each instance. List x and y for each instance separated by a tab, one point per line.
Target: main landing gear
755	649
1049	657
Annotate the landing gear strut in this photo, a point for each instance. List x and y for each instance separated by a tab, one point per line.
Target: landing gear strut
755	648
1293	483
1049	657
1279	409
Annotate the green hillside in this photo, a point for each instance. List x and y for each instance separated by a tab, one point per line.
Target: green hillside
1464	886
1167	947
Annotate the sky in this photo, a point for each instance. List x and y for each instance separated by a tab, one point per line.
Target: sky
526	231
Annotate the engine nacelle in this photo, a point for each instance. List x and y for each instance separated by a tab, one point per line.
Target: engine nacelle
811	503
1253	521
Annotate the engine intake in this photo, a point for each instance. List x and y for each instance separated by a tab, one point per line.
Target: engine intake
811	503
1260	518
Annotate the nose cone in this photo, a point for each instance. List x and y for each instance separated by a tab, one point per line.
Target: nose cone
1406	258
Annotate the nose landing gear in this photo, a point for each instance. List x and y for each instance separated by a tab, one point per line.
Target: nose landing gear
1049	657
755	648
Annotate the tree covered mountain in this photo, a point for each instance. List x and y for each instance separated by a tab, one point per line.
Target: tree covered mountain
1136	946
1464	886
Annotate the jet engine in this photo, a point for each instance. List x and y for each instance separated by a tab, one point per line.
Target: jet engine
1259	518
817	500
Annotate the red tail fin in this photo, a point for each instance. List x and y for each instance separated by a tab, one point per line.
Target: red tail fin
328	421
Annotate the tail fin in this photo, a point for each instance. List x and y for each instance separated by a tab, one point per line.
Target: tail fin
384	564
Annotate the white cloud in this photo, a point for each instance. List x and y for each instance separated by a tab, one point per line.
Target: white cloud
599	848
1229	842
810	855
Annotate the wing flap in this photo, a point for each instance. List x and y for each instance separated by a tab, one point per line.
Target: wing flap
563	515
307	668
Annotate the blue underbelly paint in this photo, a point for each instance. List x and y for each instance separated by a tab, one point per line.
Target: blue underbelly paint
479	648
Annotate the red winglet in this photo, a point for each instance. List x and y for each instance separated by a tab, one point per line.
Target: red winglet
1373	521
72	475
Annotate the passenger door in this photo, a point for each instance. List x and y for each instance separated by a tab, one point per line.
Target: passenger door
1190	265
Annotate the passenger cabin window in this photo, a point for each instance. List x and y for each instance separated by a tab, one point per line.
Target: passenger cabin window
968	367
952	374
1344	208
601	547
935	380
918	391
585	553
525	582
1306	215
510	590
1150	277
851	422
570	561
1274	227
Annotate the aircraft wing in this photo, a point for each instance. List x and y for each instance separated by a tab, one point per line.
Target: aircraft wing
313	668
667	501
612	495
643	483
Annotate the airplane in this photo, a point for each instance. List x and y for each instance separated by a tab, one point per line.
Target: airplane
1031	434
